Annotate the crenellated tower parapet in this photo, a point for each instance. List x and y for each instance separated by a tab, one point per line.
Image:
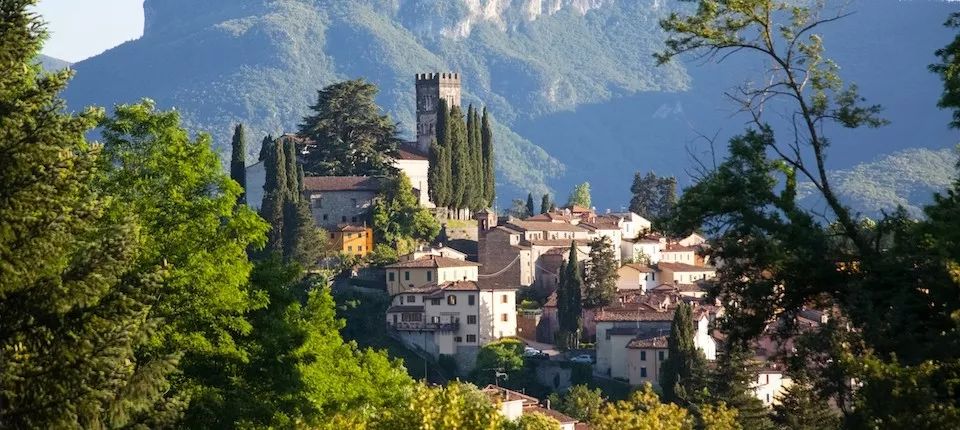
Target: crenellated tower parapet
431	87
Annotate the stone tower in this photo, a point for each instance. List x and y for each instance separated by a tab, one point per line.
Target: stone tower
430	88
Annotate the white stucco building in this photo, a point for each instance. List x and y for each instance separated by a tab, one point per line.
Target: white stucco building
450	317
426	271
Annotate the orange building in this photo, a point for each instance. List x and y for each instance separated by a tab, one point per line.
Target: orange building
352	239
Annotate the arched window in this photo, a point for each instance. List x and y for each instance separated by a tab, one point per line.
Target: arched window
451	300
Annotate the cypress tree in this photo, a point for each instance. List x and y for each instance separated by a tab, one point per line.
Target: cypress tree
265	147
445	156
486	135
274	194
470	180
479	174
292	171
569	308
545	204
682	373
434	176
530	208
238	161
459	167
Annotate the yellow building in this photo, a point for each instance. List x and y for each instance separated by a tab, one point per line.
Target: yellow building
352	239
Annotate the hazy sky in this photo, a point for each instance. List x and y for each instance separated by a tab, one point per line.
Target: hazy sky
83	28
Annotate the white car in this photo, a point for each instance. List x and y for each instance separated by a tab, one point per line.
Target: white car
582	358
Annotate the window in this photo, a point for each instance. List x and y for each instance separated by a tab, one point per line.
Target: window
660	354
331	235
429	276
471	300
504	317
350	248
353	219
458	339
390	276
503	299
643	355
471	338
653	276
325	217
643	372
406	275
343	218
471	319
360	248
435	302
318	203
411	299
435	319
451	300
353	202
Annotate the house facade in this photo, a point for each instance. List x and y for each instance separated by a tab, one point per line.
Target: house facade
428	270
452	318
351	239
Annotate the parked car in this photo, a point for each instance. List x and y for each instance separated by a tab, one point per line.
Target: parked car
582	358
531	352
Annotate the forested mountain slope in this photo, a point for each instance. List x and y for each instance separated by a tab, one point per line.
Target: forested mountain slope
572	83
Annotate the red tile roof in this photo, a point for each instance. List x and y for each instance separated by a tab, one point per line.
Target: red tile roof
682	267
410	154
552	413
543	226
342	183
351	228
432	261
614	315
656	342
643	268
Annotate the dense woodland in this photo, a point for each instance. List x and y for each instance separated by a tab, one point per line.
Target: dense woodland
138	290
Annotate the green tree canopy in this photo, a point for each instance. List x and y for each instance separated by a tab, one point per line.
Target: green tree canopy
580	195
74	300
601	274
398	218
653	196
531	209
579	402
350	134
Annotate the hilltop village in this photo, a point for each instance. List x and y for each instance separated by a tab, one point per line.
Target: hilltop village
488	279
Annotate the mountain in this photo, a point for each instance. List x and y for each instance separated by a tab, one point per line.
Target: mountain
907	178
572	83
50	64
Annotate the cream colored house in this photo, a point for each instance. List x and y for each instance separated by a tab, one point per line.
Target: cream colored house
635	276
428	270
453	316
428	250
616	329
771	385
632	225
416	166
646	248
676	253
645	355
682	273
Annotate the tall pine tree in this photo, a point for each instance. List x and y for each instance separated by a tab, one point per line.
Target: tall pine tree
530	207
238	161
471	184
545	204
72	305
682	374
569	308
486	136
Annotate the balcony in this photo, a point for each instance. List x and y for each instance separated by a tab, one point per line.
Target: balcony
424	326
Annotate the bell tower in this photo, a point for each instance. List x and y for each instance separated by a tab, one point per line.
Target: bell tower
431	87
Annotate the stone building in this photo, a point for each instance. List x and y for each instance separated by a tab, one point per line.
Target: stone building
336	200
431	87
